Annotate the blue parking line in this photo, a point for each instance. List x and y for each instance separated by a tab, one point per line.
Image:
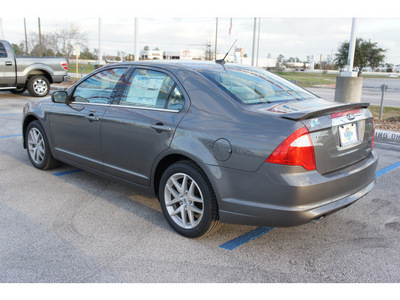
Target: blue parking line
8	136
387	169
68	172
260	231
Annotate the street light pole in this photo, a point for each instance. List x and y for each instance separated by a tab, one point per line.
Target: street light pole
254	42
348	85
100	46
136	58
258	40
352	49
216	39
40	38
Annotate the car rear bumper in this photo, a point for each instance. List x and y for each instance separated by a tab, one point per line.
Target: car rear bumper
281	196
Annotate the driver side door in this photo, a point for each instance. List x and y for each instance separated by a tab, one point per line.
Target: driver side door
75	126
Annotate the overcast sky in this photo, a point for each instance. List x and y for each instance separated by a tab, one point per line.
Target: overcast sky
313	28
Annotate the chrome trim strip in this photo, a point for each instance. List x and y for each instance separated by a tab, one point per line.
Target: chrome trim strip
87	103
146	108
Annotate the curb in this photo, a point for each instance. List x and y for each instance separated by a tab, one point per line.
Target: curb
384	135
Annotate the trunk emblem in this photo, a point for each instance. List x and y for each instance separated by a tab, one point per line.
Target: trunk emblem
351	117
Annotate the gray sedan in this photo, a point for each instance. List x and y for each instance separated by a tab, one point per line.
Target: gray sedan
214	142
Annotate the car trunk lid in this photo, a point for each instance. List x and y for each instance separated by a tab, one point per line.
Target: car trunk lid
341	135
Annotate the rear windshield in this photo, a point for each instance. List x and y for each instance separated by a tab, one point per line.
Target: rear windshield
254	86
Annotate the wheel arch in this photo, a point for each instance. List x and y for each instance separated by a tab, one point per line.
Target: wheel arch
28	119
40	72
162	165
169	160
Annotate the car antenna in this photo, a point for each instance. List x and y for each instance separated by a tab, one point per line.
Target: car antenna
222	61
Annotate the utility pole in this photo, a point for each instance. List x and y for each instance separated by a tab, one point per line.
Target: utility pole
40	39
26	38
216	38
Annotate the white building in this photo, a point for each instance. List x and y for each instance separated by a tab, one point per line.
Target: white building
151	54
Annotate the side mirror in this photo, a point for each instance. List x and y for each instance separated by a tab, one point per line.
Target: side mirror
59	97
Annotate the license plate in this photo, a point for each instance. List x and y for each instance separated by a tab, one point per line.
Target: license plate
348	134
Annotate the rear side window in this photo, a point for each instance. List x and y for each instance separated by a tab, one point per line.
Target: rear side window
254	86
99	87
152	89
3	52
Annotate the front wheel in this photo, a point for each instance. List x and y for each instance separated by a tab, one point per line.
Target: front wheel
18	90
187	200
38	147
38	86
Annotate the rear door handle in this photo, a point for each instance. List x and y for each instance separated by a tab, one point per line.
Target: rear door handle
8	63
159	127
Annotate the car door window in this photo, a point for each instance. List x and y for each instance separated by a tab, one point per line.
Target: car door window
176	100
152	89
99	87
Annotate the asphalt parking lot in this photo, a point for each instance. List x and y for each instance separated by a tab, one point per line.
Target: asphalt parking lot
67	225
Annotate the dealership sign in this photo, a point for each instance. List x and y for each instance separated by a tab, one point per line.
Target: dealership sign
186	54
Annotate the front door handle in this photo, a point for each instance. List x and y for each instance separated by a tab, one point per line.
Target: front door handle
159	127
92	117
8	63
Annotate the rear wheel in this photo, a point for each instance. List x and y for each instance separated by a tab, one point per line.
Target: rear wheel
187	200
38	148
38	86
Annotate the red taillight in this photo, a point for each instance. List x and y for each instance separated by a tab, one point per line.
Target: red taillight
64	65
296	150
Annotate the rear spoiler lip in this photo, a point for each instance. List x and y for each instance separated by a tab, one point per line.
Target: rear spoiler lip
306	114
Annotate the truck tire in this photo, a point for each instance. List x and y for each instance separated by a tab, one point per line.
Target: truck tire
38	86
18	90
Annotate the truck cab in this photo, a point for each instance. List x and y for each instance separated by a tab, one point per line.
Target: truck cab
18	73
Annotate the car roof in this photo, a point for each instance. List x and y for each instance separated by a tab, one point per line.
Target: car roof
173	64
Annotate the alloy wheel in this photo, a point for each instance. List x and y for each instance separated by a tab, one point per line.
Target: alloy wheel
184	201
36	146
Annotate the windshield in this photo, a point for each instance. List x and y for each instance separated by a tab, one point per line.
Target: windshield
255	86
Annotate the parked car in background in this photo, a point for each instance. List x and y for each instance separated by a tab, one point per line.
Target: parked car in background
18	73
214	142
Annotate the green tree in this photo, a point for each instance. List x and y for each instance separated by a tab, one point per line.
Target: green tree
18	49
367	54
86	54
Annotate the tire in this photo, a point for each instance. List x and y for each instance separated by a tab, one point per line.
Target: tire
188	201
18	90
38	148
38	86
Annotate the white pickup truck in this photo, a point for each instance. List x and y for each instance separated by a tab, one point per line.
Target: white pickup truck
18	73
